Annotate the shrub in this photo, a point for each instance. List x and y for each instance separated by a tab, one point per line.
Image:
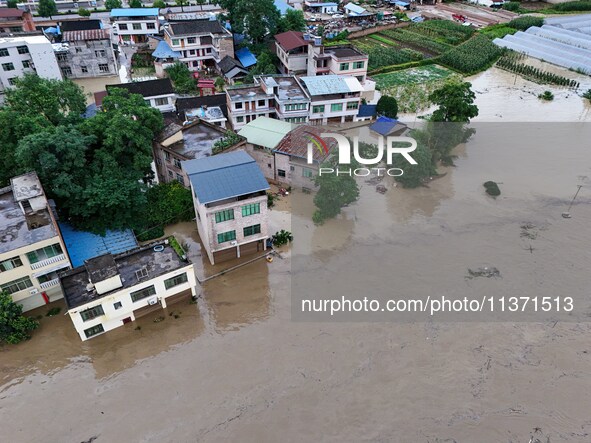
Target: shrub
492	188
546	96
84	12
387	106
53	311
525	22
573	6
512	6
230	138
587	95
14	327
282	237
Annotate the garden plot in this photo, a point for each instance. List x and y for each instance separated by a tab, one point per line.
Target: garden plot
412	87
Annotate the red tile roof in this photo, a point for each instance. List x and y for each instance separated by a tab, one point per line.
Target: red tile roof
295	143
10	12
87	34
290	40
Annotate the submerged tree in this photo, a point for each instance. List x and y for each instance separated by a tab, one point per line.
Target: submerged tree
455	101
334	192
14	326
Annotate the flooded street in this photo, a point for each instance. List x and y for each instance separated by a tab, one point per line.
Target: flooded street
234	366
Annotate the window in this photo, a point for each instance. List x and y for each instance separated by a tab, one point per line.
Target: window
252	230
175	42
91	313
180	179
151	25
117	305
143	293
251	209
67	71
343	66
7	66
238	106
175	281
280	172
22	49
137	26
123	26
100	53
126	38
261	103
84	69
225	215
358	65
167	156
12	81
352	105
317	109
90	332
307	172
269	165
191	40
161	102
103	67
336	107
62	57
292	168
170	174
26	64
192	52
17	285
11	263
47	277
239	119
44	253
226	236
177	163
3	52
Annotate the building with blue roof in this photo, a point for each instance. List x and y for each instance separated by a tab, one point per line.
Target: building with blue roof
245	57
366	112
323	7
135	25
388	126
230	198
82	245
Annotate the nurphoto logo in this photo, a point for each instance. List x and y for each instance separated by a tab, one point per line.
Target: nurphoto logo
389	146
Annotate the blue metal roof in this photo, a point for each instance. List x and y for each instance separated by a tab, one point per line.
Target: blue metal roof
165	51
317	5
83	245
367	110
282	6
383	125
246	57
224	176
354	9
135	12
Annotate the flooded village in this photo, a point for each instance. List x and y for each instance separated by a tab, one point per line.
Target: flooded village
225	354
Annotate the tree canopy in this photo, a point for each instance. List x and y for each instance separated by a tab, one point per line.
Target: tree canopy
334	192
181	78
387	106
456	102
46	8
113	4
293	20
265	65
256	18
136	4
14	326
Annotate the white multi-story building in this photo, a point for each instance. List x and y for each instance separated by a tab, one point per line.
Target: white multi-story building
202	44
335	98
134	25
20	55
112	290
230	198
31	248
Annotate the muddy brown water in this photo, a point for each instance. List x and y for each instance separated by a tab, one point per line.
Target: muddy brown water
234	367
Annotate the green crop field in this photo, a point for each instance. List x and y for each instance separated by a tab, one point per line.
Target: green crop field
422	74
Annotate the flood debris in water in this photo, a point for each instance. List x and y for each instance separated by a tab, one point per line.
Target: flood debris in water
529	230
486	271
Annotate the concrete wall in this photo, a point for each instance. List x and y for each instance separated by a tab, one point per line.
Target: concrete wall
84	54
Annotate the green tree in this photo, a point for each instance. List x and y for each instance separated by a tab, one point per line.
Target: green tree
57	101
456	102
182	4
159	4
11	3
14	326
136	4
334	192
387	106
47	8
293	20
265	65
414	175
200	3
256	18
113	4
182	78
84	12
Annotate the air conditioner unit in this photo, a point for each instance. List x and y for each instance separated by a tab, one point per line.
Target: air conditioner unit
152	301
234	243
34	291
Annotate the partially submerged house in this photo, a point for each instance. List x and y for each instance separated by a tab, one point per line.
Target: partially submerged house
31	248
109	291
230	198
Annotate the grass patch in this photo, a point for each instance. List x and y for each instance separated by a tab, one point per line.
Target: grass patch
421	74
384	40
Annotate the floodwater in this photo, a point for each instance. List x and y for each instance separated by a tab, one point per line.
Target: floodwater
235	367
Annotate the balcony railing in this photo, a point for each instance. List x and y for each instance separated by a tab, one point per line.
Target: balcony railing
49	261
50	283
